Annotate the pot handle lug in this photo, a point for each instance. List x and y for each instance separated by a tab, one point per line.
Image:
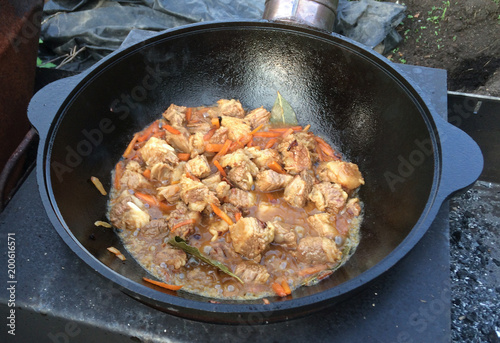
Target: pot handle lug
45	104
462	159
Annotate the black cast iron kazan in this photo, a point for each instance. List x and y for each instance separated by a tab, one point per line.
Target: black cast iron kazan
411	159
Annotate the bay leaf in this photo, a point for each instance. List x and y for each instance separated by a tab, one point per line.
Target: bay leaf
182	244
282	113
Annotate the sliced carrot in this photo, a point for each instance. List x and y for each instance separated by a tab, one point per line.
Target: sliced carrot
269	134
286	287
189	113
224	149
237	216
216	122
163	284
287	132
221	214
325	147
183	156
306	128
209	134
149	131
147	198
171	129
219	167
271	142
276	167
147	173
278	289
130	146
312	270
213	147
250	142
320	153
166	207
191	176
257	129
185	222
158	134
118	174
283	129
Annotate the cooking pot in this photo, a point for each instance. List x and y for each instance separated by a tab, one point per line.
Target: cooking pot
411	159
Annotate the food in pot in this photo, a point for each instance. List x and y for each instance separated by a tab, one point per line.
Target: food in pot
228	204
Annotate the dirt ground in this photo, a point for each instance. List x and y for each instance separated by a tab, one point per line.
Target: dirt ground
462	37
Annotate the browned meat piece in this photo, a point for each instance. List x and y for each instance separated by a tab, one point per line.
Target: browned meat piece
230	210
220	136
222	190
353	207
241	176
251	272
262	157
317	250
296	156
284	234
345	174
158	151
197	144
236	126
217	229
239	158
303	138
297	191
132	177
220	251
269	180
179	141
179	215
198	166
328	197
170	256
176	115
177	172
196	195
250	237
201	127
154	228
161	171
324	225
216	185
241	199
169	193
259	116
231	108
128	212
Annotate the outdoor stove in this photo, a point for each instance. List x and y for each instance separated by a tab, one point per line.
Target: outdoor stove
58	298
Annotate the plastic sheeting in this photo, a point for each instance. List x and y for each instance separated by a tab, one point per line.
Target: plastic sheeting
77	33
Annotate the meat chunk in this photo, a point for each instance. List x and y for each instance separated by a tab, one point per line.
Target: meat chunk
179	215
284	234
201	127
169	193
250	237
154	229
217	229
241	199
323	224
132	177
225	107
353	207
345	174
297	191
221	251
178	172
216	185
262	157
328	197
303	138
231	211
237	128
170	256
250	272
222	190
196	195
269	180
219	136
238	158
296	156
241	176
258	116
317	250
128	212
161	171
197	144
198	166
179	141
176	115
158	151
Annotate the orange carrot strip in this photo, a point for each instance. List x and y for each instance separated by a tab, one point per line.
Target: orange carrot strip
215	122
269	134
166	207
286	287
325	147
130	146
308	126
147	173
150	130
320	153
276	167
312	270
250	142
283	129
212	147
287	132
147	198
257	129
171	129
158	134
175	182
189	112
278	289
185	222
224	149
191	176
271	142
219	167
163	284
183	156
221	214
209	134
237	216
118	174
